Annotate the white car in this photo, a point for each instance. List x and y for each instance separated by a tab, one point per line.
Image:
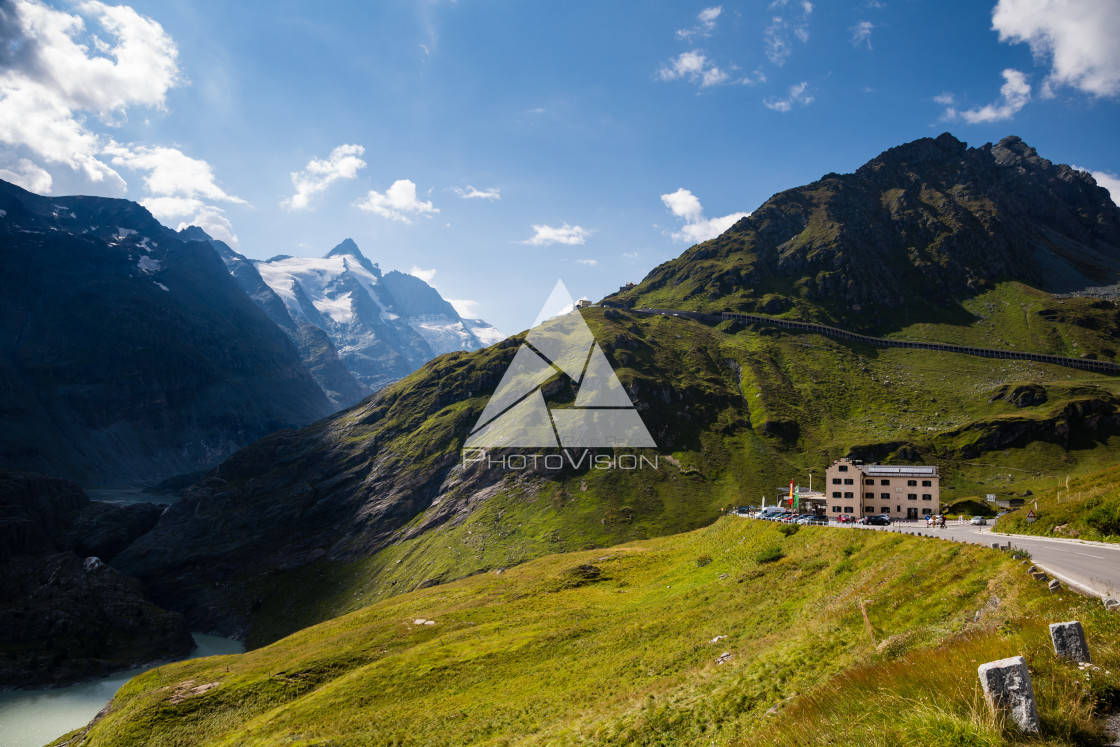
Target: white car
978	520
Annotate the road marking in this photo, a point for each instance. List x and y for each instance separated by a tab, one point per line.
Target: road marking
1073	552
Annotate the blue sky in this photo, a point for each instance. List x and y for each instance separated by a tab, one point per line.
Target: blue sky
494	146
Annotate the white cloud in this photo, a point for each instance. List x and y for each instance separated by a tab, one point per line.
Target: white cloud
707	23
588	262
945	99
1014	95
696	68
796	95
470	193
630	255
49	80
565	234
685	205
425	275
29	176
861	34
778	39
1078	37
211	220
399	202
171	174
168	208
342	163
465	307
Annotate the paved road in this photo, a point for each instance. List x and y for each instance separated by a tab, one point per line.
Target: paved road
1092	566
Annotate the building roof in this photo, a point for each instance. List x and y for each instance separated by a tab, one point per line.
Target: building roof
882	470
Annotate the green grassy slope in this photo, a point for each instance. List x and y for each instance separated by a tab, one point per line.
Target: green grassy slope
768	406
620	646
1085	507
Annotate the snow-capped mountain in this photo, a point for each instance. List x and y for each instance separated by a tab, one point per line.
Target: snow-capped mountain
384	326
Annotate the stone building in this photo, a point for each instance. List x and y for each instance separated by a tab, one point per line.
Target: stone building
902	491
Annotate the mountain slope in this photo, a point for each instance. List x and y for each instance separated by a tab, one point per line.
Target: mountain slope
378	499
126	354
907	238
315	346
695	639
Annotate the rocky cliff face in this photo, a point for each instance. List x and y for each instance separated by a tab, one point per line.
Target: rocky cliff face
64	614
126	354
905	238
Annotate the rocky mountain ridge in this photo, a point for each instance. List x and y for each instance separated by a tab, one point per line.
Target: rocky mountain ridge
128	355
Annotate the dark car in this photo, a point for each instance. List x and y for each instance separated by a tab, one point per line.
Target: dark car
817	520
881	520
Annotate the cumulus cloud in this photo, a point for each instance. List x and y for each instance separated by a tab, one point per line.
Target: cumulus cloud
470	193
694	67
29	176
1077	37
173	178
50	81
706	24
861	34
342	163
211	220
564	234
787	29
686	206
588	262
796	95
425	275
465	307
398	202
1014	95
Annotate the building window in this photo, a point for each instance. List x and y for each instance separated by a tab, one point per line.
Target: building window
869	509
835	509
849	481
927	497
869	496
926	512
836	481
843	468
898	508
926	483
835	493
885	496
886	510
911	496
884	482
912	483
848	495
847	509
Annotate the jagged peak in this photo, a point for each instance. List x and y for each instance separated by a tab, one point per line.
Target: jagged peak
347	248
193	233
922	150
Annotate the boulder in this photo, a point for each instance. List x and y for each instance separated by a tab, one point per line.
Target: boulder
1069	641
1007	687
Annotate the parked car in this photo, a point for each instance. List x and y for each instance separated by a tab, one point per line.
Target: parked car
978	520
845	519
878	520
821	519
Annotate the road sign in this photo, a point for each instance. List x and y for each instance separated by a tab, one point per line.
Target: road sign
1030	516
